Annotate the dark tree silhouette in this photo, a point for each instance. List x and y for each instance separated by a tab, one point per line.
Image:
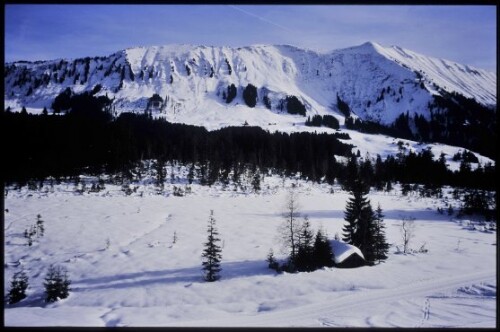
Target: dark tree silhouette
304	261
56	284
381	245
323	253
212	252
359	230
18	286
250	95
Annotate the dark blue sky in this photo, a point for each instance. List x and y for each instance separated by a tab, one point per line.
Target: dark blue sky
466	34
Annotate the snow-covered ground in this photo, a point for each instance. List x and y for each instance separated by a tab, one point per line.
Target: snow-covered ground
144	279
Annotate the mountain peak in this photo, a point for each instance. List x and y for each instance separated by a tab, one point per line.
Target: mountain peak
371	44
368	47
197	77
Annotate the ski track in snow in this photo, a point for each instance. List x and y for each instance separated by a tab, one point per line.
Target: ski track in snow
328	310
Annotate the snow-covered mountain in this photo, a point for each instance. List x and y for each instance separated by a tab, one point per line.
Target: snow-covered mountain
376	82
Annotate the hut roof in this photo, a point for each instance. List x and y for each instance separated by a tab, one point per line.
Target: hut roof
342	251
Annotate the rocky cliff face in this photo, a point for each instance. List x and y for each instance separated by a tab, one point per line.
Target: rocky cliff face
201	83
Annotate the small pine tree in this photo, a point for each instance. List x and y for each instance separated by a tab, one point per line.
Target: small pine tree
160	176
304	261
39	225
18	286
272	262
190	175
256	181
212	253
56	284
323	253
28	234
381	245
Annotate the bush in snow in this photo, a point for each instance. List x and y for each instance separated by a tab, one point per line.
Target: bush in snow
56	284
178	191
480	202
272	262
407	232
423	249
18	286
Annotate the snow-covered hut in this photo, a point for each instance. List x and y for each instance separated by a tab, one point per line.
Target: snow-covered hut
346	255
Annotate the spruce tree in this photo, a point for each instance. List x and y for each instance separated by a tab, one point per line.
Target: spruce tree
56	284
359	230
304	261
322	251
352	213
381	245
256	181
18	286
160	175
351	174
190	176
212	252
365	234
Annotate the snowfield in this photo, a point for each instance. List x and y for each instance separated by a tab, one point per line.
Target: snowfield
126	269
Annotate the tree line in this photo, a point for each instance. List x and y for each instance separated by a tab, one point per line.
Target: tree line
85	138
454	119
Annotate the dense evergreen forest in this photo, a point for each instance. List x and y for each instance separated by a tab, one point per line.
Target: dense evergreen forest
455	120
89	140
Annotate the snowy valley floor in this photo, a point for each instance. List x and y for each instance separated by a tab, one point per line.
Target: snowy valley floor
144	279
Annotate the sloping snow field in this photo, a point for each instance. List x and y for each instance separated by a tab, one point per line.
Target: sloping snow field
378	83
143	278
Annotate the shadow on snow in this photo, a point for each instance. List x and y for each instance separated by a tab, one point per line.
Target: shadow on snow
230	270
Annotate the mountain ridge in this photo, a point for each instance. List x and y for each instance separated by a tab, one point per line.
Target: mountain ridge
378	83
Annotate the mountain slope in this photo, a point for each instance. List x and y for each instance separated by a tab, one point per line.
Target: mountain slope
424	98
377	83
